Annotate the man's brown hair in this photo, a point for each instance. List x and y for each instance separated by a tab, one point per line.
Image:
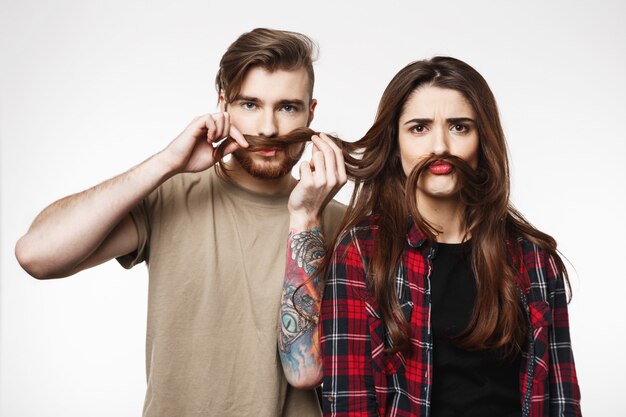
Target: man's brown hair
266	48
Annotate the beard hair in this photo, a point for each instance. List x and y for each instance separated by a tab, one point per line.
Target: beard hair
258	170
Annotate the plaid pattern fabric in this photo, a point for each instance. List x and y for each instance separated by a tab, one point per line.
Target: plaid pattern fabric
361	380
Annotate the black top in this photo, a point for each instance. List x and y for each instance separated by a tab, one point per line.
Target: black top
465	383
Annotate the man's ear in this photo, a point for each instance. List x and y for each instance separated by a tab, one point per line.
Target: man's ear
222	101
311	111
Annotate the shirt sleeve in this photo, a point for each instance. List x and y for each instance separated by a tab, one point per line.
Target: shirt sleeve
348	387
139	215
563	383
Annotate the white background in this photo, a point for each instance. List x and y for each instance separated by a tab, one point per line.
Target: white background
89	89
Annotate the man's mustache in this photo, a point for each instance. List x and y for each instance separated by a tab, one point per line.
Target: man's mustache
281	142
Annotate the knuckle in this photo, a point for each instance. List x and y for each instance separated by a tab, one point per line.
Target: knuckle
321	183
307	183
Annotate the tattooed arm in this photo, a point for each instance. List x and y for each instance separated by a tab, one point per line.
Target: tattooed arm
298	337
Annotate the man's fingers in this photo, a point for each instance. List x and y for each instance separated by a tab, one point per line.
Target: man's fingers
330	162
209	124
219	125
231	147
197	126
306	175
226	126
236	134
318	163
340	163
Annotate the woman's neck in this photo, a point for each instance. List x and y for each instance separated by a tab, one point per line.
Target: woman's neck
446	215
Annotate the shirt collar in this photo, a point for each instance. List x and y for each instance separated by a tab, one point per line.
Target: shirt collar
415	237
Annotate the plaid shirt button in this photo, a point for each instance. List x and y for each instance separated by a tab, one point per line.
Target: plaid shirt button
331	398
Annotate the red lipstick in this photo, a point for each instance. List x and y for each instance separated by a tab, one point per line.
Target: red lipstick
440	168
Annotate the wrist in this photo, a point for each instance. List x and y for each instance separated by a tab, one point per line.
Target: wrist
167	164
299	222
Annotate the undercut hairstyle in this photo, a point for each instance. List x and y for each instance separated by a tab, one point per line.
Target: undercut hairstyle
383	190
270	49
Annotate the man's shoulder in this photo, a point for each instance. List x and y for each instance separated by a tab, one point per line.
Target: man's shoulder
333	214
181	184
335	208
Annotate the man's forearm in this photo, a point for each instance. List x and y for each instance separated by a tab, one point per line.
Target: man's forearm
298	338
93	226
68	231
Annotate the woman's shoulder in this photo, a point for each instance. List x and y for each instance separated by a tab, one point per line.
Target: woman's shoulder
531	251
359	238
365	230
540	264
367	226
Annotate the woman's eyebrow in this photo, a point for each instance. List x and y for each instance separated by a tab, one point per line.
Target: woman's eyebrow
460	120
418	121
449	120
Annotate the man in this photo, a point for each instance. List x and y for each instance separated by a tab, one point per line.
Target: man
214	245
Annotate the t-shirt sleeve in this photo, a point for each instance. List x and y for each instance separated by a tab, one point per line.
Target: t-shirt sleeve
139	214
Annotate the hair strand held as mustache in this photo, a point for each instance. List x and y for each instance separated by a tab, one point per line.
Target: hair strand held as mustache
284	142
471	184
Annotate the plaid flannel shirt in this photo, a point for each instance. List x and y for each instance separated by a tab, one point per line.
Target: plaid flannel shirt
361	380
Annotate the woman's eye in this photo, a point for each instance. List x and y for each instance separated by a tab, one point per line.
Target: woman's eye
460	128
418	129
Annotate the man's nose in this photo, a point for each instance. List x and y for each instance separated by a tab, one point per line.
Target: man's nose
267	125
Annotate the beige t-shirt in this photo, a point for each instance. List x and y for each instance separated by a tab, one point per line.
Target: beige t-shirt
216	259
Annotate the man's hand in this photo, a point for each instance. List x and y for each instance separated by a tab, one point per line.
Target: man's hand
298	341
320	180
193	150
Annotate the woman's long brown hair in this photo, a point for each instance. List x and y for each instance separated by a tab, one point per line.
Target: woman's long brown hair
284	142
382	189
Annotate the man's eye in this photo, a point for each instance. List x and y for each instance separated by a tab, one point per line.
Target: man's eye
248	106
289	108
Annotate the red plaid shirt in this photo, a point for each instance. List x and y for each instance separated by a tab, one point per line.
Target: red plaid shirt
361	380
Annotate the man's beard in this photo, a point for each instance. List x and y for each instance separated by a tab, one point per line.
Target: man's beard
269	168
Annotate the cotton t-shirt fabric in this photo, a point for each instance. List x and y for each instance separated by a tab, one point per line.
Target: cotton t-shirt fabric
216	259
465	383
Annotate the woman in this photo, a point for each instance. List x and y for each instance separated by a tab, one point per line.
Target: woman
441	299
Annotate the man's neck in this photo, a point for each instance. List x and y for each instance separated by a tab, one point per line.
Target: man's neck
241	177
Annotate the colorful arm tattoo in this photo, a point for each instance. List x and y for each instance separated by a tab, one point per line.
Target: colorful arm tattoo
298	340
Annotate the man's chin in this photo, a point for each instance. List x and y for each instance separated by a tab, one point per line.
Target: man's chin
268	173
265	168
